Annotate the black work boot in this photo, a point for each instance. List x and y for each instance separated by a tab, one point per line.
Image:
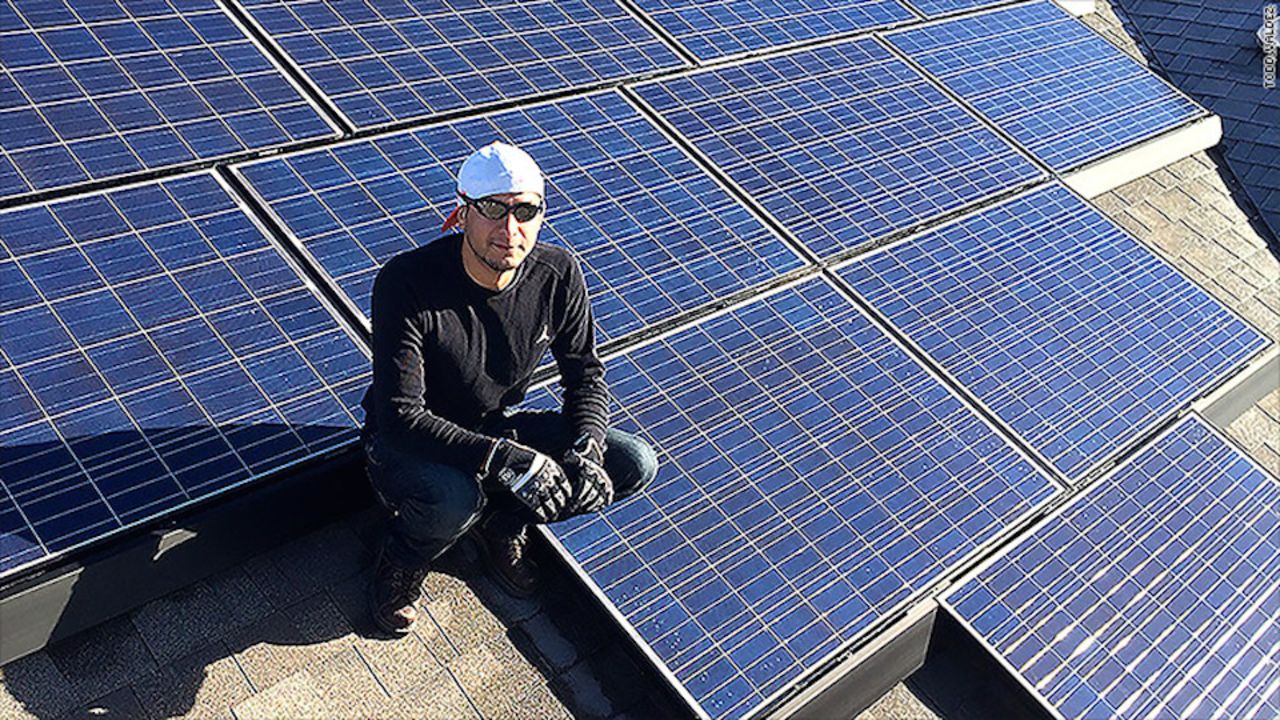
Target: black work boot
505	545
394	591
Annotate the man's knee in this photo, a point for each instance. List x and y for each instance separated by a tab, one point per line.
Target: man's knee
630	461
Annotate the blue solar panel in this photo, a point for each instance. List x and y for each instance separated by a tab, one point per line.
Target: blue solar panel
938	8
384	62
95	89
1054	85
1067	328
1153	595
655	233
715	29
155	348
843	144
813	480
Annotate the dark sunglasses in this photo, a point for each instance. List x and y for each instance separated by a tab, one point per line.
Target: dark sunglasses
497	210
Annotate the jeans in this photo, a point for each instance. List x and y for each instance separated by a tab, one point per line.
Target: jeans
434	504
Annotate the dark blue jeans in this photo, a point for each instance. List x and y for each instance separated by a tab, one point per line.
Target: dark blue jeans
434	504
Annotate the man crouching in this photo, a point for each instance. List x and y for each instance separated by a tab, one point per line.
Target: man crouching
459	326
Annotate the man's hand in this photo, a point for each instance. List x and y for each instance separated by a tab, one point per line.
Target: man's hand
534	479
592	486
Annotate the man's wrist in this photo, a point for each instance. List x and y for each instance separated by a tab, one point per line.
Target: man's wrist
487	463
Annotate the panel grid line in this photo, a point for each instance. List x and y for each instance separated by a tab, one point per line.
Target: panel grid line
742	363
714	31
774	534
657	236
1060	89
220	261
1089	295
1145	596
125	91
117	399
939	8
384	65
812	134
1057	322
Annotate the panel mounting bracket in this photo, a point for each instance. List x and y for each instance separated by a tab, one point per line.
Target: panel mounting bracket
1078	8
1115	170
857	681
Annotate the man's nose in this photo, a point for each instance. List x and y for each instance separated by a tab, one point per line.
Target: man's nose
513	225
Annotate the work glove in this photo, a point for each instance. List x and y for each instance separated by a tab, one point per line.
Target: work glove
592	486
538	484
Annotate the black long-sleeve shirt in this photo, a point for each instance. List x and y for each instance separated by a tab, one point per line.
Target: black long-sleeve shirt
448	353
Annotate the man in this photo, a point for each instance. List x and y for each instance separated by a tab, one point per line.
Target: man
459	326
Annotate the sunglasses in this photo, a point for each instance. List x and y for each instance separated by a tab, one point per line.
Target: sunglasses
497	210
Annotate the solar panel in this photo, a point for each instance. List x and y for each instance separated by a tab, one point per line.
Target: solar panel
93	90
813	480
716	29
385	62
1058	321
843	144
1154	594
1054	85
938	8
155	348
656	234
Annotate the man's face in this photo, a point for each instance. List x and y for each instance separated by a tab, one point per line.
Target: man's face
502	244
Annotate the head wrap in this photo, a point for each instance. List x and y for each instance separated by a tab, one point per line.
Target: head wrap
495	169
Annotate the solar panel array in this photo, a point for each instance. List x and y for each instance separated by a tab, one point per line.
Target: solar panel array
720	28
813	477
97	90
1064	325
155	348
1154	594
1054	85
655	233
384	62
843	144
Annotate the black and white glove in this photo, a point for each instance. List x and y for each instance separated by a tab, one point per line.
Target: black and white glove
592	486
533	479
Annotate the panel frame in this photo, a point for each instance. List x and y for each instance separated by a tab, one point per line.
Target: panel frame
153	519
747	198
926	594
1089	475
806	262
116	182
1064	506
1078	167
352	128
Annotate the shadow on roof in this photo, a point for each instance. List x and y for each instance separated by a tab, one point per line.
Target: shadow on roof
287	632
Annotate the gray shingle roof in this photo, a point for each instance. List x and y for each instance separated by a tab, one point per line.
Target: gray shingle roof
1208	48
286	634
